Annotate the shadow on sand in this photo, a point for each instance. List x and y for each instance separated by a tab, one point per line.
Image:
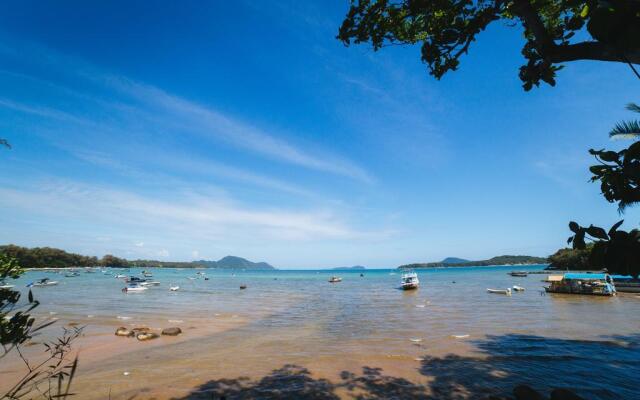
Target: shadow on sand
604	369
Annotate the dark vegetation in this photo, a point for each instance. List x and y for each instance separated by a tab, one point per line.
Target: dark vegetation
446	30
48	257
499	260
603	369
572	259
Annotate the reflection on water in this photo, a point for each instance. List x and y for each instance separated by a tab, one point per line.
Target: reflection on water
299	334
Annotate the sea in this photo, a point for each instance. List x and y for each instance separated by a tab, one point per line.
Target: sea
292	334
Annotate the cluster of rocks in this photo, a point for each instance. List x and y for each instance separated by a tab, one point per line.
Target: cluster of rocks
524	392
143	334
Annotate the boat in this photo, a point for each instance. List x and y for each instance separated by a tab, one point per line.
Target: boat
43	282
506	291
150	283
135	279
597	284
174	288
521	274
5	285
335	279
71	274
243	286
626	283
517	288
409	281
134	288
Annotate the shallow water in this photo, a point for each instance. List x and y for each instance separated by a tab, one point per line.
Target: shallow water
291	333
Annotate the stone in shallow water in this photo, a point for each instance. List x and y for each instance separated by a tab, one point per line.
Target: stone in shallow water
564	394
122	331
174	331
524	392
147	336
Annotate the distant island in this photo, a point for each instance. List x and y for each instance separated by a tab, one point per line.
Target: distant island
354	268
499	260
49	257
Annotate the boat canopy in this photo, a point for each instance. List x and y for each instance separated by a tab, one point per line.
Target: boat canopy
585	277
555	278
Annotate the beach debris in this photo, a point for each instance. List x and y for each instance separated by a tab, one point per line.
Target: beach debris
420	306
90	316
174	331
122	331
147	336
126	373
52	313
175	321
460	336
416	340
174	288
243	286
123	318
419	359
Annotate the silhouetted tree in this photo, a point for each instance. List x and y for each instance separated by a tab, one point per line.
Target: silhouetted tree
446	29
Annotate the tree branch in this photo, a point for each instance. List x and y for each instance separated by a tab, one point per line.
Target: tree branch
592	51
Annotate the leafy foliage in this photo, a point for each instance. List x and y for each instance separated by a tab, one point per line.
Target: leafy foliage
573	259
46	257
627	129
52	377
447	28
616	250
5	143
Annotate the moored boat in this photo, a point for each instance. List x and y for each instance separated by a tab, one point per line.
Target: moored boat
409	281
506	291
43	282
626	283
5	285
134	288
335	279
598	284
521	274
517	288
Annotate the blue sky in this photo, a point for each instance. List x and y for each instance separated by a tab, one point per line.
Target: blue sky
192	130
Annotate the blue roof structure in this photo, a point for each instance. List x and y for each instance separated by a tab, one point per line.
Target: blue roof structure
584	276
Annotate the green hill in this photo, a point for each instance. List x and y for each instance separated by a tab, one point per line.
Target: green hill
499	260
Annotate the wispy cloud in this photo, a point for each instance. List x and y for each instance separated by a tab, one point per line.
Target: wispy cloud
168	109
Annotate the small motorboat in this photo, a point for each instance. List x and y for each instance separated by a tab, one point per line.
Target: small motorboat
5	285
134	288
43	282
174	288
135	279
409	281
71	274
335	279
520	274
500	291
120	276
517	288
150	283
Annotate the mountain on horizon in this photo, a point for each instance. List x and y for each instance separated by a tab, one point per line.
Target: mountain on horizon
233	262
355	267
454	260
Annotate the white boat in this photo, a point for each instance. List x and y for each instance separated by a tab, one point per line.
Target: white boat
517	288
174	288
152	283
134	288
409	281
5	286
120	276
71	274
500	291
335	279
43	282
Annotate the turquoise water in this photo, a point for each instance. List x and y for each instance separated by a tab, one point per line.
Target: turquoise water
450	336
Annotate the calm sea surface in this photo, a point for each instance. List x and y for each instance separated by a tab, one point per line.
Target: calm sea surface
292	332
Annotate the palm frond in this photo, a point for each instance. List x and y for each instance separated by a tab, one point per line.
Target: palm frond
3	142
633	107
626	130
